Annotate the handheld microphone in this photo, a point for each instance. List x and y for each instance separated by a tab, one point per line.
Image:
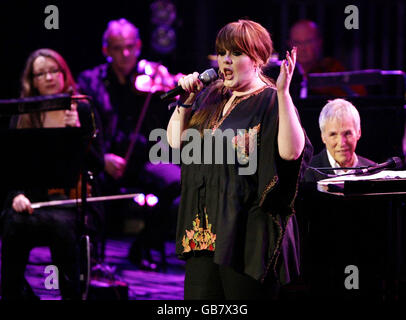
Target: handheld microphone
391	163
206	77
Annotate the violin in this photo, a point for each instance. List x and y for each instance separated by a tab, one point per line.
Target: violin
153	77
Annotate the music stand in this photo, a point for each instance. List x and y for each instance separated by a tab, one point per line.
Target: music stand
378	82
48	158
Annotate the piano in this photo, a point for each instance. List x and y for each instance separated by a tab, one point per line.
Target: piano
386	182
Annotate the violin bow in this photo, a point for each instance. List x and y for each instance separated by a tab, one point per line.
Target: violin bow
56	203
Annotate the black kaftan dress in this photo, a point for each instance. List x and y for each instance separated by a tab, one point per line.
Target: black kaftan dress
241	212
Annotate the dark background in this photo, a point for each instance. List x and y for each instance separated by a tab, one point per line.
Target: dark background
379	43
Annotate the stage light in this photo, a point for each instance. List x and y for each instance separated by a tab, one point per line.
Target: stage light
144	83
140	199
154	77
163	39
163	15
151	200
163	12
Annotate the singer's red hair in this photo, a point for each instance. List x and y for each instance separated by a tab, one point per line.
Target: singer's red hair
248	37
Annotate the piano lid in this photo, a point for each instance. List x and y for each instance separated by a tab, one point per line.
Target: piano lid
381	183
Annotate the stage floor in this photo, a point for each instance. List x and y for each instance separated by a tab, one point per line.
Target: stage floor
142	285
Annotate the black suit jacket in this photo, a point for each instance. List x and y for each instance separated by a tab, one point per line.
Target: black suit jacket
321	160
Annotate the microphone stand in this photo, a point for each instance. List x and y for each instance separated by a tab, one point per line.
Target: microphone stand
85	239
318	170
348	168
341	168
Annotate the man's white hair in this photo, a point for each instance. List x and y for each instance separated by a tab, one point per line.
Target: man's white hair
339	109
119	26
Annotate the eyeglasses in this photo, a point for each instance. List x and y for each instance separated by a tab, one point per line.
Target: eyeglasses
42	75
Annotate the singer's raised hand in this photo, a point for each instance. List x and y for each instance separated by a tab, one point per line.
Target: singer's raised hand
286	72
291	138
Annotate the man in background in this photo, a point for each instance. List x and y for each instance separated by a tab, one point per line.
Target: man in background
128	114
306	36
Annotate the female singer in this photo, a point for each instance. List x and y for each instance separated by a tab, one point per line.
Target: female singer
236	231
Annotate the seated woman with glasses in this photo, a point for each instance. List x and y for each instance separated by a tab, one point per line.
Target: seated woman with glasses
45	73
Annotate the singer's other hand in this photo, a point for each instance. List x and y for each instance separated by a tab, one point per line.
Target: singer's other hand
286	72
72	117
21	203
191	85
114	165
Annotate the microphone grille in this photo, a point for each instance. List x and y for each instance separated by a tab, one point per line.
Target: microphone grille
208	76
397	163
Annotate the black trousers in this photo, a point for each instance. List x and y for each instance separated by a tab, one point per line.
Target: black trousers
53	227
206	280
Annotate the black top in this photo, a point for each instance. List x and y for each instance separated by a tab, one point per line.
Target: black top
239	211
321	161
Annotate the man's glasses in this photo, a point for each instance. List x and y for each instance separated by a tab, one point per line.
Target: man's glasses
42	75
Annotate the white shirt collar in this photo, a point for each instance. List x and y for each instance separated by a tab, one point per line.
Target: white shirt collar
335	164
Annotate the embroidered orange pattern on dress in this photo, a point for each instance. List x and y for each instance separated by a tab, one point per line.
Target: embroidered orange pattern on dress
199	238
244	142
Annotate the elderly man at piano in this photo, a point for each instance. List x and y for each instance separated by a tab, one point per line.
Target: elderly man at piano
340	232
340	127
